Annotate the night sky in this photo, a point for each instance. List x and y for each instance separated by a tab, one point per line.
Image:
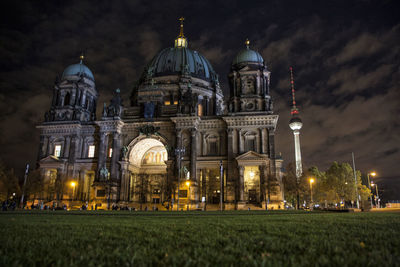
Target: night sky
345	56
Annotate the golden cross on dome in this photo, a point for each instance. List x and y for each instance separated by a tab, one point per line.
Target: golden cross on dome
182	19
181	41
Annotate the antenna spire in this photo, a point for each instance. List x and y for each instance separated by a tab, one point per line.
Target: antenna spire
294	111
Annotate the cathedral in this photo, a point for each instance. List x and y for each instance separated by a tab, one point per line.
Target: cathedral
177	143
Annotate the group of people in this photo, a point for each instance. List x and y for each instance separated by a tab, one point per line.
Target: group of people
8	205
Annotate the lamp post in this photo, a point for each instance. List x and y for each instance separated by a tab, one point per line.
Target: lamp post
23	187
73	184
311	183
179	152
377	195
188	198
221	194
373	174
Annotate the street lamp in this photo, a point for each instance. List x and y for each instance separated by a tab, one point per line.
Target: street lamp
73	184
373	174
377	194
311	182
188	198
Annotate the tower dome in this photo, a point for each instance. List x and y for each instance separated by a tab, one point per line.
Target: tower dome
248	55
77	69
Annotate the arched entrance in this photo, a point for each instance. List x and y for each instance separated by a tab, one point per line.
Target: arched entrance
149	185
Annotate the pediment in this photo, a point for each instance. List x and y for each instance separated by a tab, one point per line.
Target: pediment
50	159
251	156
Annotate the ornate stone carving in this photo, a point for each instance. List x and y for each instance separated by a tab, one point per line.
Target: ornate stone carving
148	130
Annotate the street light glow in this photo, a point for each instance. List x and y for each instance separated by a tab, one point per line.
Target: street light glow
187	183
311	180
373	173
73	184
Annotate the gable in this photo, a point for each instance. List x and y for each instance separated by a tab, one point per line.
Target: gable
251	155
50	159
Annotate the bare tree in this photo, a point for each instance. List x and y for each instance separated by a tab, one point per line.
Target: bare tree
142	188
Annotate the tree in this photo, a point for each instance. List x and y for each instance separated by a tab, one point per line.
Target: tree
9	185
142	188
295	190
337	184
34	185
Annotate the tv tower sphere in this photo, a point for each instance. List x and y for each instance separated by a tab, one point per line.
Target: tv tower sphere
295	123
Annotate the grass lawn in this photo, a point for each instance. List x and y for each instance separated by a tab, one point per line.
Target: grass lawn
248	238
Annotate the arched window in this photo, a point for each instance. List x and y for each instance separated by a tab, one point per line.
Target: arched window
67	99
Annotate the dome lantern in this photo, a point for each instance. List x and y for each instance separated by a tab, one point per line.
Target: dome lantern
181	41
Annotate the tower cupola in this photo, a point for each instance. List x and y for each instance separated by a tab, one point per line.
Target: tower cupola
249	82
74	96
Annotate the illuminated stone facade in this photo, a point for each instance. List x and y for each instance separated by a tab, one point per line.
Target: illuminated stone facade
177	105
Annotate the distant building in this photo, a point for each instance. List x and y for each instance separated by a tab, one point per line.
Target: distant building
129	156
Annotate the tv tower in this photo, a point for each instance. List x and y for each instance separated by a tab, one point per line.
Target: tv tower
295	124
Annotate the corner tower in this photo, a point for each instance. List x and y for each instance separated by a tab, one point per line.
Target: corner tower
74	96
249	83
295	124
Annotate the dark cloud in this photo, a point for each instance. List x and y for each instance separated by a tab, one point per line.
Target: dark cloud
346	61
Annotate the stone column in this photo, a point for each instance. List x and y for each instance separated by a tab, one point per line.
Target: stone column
258	143
193	153
74	148
207	177
102	152
234	143
271	136
67	143
207	109
83	98
116	149
262	182
178	145
193	158
241	183
198	192
241	142
204	145
50	146
229	142
125	181
222	135
264	141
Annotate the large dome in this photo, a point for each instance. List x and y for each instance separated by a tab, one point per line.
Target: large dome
178	60
77	70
